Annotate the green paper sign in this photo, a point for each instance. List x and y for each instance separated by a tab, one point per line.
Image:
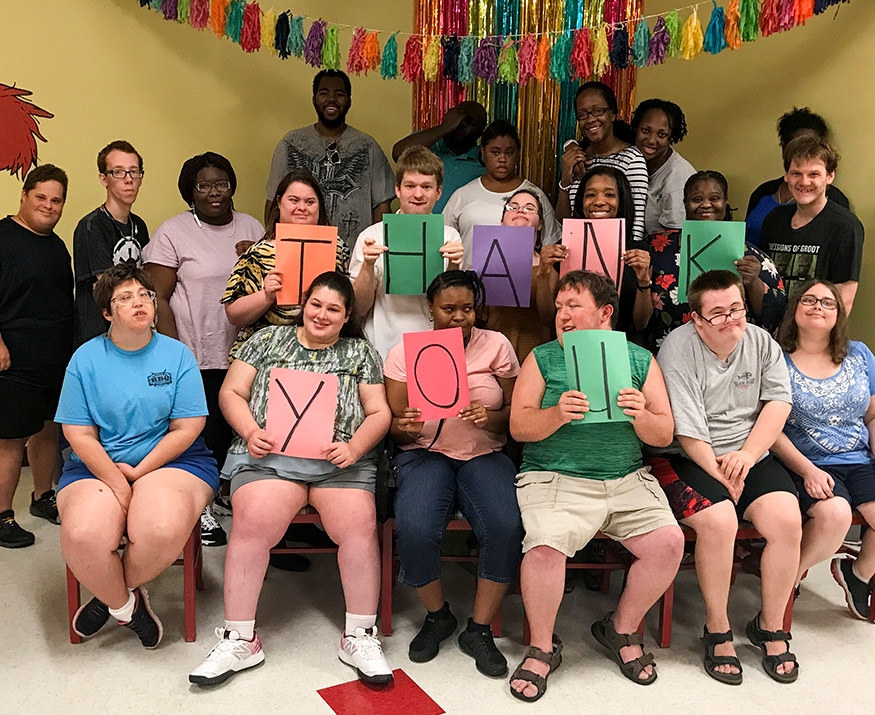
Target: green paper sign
597	364
413	258
708	246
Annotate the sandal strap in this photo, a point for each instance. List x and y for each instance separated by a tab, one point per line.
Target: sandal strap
775	635
540	655
712	639
714	660
785	657
539	681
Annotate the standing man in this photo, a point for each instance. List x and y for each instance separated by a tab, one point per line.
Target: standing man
109	235
349	165
815	237
454	141
36	341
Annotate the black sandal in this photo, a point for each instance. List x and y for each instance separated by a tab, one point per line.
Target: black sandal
605	633
554	660
759	638
709	640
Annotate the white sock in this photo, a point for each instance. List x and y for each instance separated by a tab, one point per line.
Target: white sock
857	573
355	620
124	614
246	629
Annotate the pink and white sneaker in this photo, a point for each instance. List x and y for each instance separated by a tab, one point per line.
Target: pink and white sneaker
230	655
363	651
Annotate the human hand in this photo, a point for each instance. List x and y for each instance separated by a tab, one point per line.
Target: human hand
130	473
409	422
819	484
453	118
475	414
273	282
242	246
341	454
735	464
632	402
639	261
572	406
5	360
749	268
259	444
453	252
573	164
551	255
372	251
123	494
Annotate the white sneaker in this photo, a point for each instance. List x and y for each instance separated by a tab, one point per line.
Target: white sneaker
230	655
364	653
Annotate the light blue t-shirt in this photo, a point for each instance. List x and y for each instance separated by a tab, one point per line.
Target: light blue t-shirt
459	169
131	396
826	422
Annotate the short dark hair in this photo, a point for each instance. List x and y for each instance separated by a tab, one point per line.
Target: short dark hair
499	128
331	74
302	176
626	207
676	121
600	287
46	172
188	173
341	284
420	160
811	147
788	333
458	279
800	119
117	145
113	277
716	177
710	281
607	94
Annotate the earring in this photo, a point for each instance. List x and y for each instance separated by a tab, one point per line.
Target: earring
430	318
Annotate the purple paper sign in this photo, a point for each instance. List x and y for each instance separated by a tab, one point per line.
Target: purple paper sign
502	257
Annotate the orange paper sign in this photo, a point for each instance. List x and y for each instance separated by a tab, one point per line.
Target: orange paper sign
437	376
302	253
300	412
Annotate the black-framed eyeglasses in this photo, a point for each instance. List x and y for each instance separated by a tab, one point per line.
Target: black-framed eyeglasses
331	153
721	318
119	173
594	112
128	298
204	187
524	208
825	303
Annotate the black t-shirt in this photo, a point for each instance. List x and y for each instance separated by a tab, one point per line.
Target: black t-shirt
100	242
36	305
830	246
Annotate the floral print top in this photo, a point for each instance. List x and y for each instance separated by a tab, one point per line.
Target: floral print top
668	314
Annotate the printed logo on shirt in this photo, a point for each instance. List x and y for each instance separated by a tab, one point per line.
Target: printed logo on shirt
744	380
160	379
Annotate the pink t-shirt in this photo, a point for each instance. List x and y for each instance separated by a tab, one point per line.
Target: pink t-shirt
203	256
488	355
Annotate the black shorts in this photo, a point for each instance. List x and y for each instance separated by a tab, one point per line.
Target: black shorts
694	489
855	483
24	409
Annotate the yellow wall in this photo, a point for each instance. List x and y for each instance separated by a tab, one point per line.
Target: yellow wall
732	102
109	69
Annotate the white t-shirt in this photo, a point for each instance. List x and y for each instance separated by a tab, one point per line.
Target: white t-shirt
472	205
665	197
392	315
203	256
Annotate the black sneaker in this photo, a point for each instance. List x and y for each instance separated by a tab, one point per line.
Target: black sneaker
144	622
222	506
45	507
90	618
427	642
212	533
481	647
857	592
12	536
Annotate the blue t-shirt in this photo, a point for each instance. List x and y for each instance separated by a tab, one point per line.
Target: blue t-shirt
826	422
459	169
131	396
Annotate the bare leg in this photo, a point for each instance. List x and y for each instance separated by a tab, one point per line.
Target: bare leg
488	600
42	455
715	529
776	516
92	525
262	513
432	595
865	563
542	580
823	533
11	454
165	505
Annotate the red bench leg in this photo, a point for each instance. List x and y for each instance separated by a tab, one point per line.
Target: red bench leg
387	569
73	603
190	563
666	612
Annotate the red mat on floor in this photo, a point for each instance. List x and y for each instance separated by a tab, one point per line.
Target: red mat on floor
402	697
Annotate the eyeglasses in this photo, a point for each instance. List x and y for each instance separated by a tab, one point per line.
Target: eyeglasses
826	303
525	208
128	298
721	318
119	173
594	112
331	153
204	187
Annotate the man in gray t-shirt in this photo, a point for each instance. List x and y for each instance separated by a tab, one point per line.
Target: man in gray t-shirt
730	396
350	166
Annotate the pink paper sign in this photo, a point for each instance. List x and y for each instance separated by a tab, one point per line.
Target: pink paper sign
594	245
302	253
300	412
437	377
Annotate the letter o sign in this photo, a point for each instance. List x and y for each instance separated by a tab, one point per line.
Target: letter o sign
436	362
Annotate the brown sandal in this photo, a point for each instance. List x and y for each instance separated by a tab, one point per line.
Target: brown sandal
605	633
554	660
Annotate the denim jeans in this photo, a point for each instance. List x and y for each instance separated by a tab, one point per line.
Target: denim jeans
430	488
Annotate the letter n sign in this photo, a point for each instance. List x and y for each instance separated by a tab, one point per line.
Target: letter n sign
437	376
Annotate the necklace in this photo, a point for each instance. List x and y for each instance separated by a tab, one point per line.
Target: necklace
131	225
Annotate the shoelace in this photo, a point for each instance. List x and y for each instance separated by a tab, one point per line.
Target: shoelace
208	520
237	646
367	644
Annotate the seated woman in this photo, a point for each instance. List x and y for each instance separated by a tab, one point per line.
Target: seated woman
827	441
132	407
453	463
250	296
706	198
477	203
268	489
658	125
